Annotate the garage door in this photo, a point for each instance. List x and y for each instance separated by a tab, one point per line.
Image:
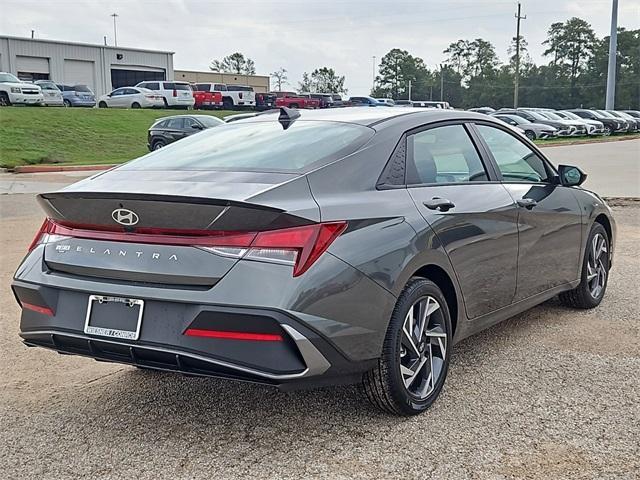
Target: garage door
79	72
32	68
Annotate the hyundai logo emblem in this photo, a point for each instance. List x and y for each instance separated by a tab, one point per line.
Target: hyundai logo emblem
124	216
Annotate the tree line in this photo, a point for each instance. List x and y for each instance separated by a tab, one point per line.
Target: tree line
575	74
472	74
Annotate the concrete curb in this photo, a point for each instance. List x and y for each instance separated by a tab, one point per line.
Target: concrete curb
568	143
59	168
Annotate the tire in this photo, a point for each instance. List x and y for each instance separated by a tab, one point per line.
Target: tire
595	264
530	134
158	144
294	105
135	105
102	105
394	387
227	104
607	131
67	103
4	99
166	104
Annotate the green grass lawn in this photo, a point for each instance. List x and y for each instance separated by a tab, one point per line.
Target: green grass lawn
49	135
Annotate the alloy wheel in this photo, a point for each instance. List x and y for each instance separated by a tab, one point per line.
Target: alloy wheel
597	265
423	347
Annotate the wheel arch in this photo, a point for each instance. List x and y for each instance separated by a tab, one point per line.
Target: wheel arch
603	220
445	283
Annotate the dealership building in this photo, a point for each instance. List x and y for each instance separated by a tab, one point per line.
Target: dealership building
101	67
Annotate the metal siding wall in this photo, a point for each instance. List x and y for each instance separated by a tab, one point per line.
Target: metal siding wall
102	58
260	83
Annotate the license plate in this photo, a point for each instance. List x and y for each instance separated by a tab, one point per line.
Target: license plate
115	317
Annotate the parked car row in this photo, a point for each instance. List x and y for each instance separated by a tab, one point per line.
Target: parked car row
544	123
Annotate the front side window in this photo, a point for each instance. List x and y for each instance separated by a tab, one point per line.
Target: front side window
444	155
261	146
516	161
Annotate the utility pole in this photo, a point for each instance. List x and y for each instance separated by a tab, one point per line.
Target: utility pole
409	90
613	51
33	34
115	31
516	83
441	83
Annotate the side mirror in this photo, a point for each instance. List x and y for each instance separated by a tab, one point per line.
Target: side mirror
571	176
197	127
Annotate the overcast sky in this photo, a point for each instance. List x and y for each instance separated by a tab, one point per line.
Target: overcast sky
301	35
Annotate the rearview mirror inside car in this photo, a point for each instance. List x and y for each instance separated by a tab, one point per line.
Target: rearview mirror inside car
571	176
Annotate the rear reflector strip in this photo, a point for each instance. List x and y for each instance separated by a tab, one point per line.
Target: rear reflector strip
37	308
260	337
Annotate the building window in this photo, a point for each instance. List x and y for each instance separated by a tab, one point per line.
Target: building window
32	77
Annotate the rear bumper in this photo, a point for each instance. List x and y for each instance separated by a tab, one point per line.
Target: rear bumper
78	102
303	358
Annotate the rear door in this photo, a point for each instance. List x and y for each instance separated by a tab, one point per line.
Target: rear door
174	129
549	215
472	214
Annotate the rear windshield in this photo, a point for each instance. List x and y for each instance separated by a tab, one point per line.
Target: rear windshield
201	87
259	146
82	88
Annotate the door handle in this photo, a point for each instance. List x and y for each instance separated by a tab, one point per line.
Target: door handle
437	203
527	203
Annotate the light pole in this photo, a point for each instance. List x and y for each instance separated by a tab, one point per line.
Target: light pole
441	82
374	74
516	82
115	31
613	49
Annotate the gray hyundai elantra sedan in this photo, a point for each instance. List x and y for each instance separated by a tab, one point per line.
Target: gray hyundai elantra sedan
306	248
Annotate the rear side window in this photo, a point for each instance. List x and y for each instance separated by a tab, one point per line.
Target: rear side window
220	87
182	86
151	85
516	161
82	88
260	146
175	123
169	85
444	155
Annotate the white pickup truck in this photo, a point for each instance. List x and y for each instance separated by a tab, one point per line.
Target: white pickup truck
233	96
15	92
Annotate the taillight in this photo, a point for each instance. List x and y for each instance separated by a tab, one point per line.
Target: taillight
45	229
175	92
299	247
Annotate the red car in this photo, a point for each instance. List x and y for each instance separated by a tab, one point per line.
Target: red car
294	100
206	99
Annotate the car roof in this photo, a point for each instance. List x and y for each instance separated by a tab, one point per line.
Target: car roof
196	116
369	116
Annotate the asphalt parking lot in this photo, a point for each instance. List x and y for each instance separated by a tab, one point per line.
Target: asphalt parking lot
549	394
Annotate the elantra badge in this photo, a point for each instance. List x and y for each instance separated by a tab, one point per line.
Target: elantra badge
125	217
